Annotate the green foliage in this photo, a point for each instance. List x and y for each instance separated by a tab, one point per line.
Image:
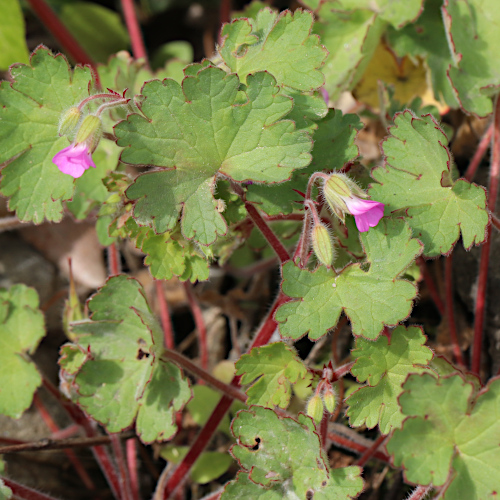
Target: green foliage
370	299
256	45
21	329
451	437
385	366
417	179
12	41
473	39
276	367
205	127
282	458
123	378
30	110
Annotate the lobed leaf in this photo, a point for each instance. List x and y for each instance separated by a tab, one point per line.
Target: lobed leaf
30	110
271	369
21	329
280	43
385	366
282	458
123	379
417	177
473	37
370	299
449	438
205	127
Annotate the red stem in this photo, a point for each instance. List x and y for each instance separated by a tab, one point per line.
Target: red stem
266	231
114	262
50	423
100	453
370	452
351	445
200	324
134	30
419	492
60	33
450	312
65	433
485	250
179	475
166	322
431	286
479	154
23	492
323	428
187	364
125	486
495	222
132	465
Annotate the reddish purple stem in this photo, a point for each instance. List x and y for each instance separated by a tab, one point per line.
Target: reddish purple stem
370	452
180	473
166	322
450	312
134	30
479	154
431	286
200	324
420	492
477	346
23	492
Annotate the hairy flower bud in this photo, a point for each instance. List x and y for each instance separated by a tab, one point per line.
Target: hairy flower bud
315	408
343	195
322	245
329	400
69	121
90	132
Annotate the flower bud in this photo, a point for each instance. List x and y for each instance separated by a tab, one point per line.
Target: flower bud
69	121
322	245
329	400
315	408
90	132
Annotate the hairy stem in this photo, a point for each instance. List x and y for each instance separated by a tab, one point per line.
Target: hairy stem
370	452
132	465
485	250
266	231
420	492
180	473
60	33
166	322
134	30
226	389
124	477
114	262
450	312
479	154
23	492
200	324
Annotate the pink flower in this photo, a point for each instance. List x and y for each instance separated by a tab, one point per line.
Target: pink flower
367	213
74	160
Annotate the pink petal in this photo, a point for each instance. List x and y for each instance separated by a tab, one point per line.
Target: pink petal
367	213
74	160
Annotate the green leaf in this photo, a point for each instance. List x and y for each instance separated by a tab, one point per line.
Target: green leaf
276	367
12	34
21	329
385	367
283	457
280	43
124	380
417	177
351	39
370	299
333	147
471	28
205	127
209	466
98	30
30	109
448	438
393	11
427	38
179	50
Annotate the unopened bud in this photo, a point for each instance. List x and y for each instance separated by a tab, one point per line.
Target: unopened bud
322	245
69	121
315	408
329	400
90	132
